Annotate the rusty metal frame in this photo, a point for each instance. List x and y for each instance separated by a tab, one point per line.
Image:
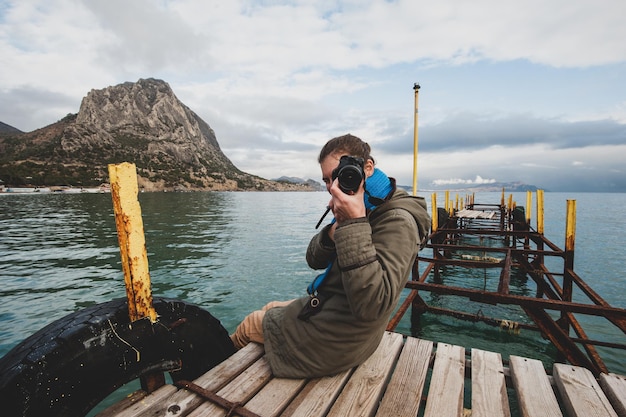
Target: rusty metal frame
524	250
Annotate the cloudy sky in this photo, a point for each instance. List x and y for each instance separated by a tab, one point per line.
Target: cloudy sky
531	91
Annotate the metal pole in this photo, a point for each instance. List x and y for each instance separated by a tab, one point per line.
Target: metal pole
416	87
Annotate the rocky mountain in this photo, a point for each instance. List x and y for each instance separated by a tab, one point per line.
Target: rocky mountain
143	123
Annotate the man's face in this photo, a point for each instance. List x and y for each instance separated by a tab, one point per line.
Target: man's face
328	165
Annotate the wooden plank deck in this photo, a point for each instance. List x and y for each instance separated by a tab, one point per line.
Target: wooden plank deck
404	377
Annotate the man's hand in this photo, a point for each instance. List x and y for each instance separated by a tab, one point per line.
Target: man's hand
345	206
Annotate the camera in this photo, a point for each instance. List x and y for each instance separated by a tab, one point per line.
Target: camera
349	173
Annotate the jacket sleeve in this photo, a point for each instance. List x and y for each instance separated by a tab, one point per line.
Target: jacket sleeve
321	250
375	264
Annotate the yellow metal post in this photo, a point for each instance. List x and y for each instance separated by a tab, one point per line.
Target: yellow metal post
416	88
570	226
570	240
529	201
540	220
123	178
435	215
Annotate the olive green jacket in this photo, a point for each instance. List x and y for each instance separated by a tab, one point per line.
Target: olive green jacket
374	258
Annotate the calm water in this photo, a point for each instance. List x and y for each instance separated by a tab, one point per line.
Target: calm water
233	252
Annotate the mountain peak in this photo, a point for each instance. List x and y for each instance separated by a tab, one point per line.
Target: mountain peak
141	122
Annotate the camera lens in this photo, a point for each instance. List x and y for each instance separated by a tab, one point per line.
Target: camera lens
349	178
349	173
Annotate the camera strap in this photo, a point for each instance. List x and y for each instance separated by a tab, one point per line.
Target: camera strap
319	280
316	298
314	305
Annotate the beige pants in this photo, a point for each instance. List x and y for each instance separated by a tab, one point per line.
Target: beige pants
251	328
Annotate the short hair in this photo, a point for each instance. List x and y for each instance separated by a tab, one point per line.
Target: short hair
347	144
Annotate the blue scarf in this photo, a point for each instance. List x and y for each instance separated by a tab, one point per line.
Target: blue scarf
377	187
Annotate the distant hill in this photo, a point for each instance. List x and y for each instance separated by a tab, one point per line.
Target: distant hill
295	180
143	123
5	128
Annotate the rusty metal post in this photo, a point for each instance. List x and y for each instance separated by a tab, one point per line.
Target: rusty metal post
123	179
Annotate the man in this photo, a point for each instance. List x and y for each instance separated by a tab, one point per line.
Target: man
367	251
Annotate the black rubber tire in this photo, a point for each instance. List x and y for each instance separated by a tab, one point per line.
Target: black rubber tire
69	366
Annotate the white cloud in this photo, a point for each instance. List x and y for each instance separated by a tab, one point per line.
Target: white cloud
459	181
276	79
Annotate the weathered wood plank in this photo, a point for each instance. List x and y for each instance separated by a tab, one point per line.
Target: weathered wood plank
404	392
581	393
489	397
184	401
364	389
241	389
614	387
139	401
275	396
317	396
218	376
535	394
445	395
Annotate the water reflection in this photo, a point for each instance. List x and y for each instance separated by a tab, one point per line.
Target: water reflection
230	252
233	252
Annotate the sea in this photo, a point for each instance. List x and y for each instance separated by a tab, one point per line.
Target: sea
232	252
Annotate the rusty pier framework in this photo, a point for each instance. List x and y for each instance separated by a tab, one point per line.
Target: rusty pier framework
498	241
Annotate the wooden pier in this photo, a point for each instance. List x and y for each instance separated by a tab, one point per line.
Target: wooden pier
410	377
406	376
